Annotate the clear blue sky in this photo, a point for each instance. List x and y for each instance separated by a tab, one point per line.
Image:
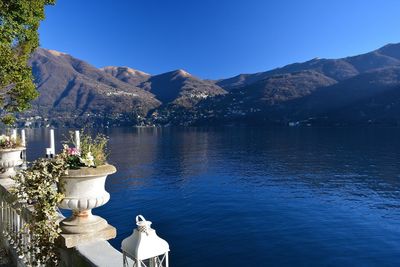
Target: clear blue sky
217	38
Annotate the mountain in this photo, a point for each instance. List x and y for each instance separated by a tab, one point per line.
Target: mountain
180	88
262	97
284	87
176	87
71	88
75	92
391	50
361	89
364	97
337	69
127	75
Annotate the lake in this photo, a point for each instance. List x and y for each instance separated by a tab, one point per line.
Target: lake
257	196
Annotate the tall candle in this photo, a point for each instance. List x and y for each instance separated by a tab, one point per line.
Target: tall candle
52	143
23	141
48	152
77	140
14	134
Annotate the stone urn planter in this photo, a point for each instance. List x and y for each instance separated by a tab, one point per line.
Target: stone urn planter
9	159
84	190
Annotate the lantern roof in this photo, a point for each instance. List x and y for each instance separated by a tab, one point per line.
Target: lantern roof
144	243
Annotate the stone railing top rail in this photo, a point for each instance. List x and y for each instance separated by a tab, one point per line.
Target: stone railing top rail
5	194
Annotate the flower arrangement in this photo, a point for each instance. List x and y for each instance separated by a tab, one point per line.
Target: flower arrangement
39	186
92	152
9	142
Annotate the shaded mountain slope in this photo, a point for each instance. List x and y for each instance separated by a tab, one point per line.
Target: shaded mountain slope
372	97
357	91
284	87
127	75
180	88
391	50
337	69
72	87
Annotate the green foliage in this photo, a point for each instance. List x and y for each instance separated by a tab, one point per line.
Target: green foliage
37	187
8	119
96	146
19	23
6	142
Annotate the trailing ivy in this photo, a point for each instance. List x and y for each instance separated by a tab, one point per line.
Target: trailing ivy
37	188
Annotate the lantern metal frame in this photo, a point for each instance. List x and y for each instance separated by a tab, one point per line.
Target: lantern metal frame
152	262
131	247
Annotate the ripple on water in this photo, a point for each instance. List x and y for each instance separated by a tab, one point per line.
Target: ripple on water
259	197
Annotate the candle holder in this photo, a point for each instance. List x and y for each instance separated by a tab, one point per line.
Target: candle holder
9	159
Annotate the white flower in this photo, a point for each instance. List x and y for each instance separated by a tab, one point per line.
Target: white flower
88	160
4	138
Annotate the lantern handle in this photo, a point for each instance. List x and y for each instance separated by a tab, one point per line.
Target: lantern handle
142	224
140	217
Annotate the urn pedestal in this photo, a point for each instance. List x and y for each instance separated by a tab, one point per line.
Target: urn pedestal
84	190
9	159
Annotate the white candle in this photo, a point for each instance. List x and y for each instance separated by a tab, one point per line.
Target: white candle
48	152
14	134
23	141
77	140
52	143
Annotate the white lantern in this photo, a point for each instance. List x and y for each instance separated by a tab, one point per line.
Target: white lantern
144	247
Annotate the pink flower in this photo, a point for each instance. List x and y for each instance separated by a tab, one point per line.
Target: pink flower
73	151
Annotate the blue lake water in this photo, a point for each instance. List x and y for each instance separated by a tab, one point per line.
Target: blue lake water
256	196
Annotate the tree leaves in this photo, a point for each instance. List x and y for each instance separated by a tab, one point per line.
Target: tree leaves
19	23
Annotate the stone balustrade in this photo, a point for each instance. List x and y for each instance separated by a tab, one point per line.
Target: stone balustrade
83	237
94	252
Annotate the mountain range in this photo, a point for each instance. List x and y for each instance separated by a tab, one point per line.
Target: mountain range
362	89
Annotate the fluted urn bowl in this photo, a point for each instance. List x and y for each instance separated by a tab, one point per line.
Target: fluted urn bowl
9	159
84	190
